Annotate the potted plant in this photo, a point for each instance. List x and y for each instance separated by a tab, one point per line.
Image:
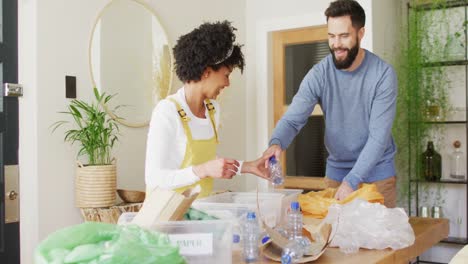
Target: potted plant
96	133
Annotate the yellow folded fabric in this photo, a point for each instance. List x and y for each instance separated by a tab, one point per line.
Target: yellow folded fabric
315	204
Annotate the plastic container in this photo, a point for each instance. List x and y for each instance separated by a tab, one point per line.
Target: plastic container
200	242
235	205
250	237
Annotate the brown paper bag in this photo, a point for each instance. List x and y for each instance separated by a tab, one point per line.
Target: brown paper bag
274	247
165	205
316	230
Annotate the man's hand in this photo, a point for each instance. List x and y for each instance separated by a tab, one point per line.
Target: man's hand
273	150
256	167
343	191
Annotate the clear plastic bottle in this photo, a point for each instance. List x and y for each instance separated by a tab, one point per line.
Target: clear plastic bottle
457	162
250	236
294	222
276	173
235	242
295	250
283	232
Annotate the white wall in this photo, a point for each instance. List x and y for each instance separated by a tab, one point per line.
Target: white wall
54	37
386	21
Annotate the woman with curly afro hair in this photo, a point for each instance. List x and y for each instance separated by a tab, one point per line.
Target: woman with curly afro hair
183	133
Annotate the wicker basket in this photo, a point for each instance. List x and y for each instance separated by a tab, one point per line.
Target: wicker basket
108	215
95	186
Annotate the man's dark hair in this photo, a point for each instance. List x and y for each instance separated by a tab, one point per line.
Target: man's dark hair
347	8
209	45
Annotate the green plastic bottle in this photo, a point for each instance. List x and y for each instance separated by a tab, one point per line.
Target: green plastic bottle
431	163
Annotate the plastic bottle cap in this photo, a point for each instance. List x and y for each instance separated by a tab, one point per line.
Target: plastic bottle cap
285	259
235	238
251	215
265	239
295	206
272	160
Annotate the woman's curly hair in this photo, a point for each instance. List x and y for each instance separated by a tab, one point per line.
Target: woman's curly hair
209	45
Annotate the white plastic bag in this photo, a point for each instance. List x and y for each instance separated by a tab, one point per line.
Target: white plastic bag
360	224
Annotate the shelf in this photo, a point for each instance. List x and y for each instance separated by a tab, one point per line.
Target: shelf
442	181
429	4
455	240
446	63
430	262
445	122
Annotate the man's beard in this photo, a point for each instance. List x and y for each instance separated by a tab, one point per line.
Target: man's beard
348	60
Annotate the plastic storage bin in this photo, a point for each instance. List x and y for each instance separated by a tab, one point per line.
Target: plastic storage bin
234	205
200	242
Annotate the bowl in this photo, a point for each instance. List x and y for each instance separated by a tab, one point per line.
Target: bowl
130	196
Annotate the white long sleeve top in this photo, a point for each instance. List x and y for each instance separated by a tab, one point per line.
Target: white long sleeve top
166	142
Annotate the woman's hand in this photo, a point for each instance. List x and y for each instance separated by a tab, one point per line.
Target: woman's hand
220	168
257	167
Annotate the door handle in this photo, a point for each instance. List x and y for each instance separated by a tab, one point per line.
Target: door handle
12	195
13	89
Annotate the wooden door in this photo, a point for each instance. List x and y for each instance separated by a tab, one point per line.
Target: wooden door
295	51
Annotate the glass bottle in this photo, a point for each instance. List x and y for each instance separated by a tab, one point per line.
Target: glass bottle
431	163
457	162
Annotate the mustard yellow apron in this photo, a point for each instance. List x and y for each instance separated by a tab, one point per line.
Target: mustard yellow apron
198	151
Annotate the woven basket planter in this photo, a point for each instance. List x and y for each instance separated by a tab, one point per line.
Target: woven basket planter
109	214
95	186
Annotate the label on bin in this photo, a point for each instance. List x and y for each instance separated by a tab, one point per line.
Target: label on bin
193	244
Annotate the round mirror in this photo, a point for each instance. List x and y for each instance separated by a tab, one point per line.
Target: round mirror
130	58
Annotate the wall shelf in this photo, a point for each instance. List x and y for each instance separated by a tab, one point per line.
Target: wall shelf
441	181
446	63
424	5
456	240
445	122
460	59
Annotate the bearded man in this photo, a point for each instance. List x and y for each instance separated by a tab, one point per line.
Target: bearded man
357	92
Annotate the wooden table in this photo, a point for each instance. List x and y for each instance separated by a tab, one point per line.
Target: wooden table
427	231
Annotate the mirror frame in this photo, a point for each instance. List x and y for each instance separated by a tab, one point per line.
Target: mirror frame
171	67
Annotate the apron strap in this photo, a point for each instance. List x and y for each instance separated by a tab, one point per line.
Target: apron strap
211	111
184	118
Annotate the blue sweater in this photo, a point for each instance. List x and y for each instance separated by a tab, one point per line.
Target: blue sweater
359	108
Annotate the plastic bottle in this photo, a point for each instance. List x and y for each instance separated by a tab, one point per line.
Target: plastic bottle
237	236
250	238
276	173
235	242
295	250
294	223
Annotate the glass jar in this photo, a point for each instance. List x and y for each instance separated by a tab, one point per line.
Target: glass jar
457	162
